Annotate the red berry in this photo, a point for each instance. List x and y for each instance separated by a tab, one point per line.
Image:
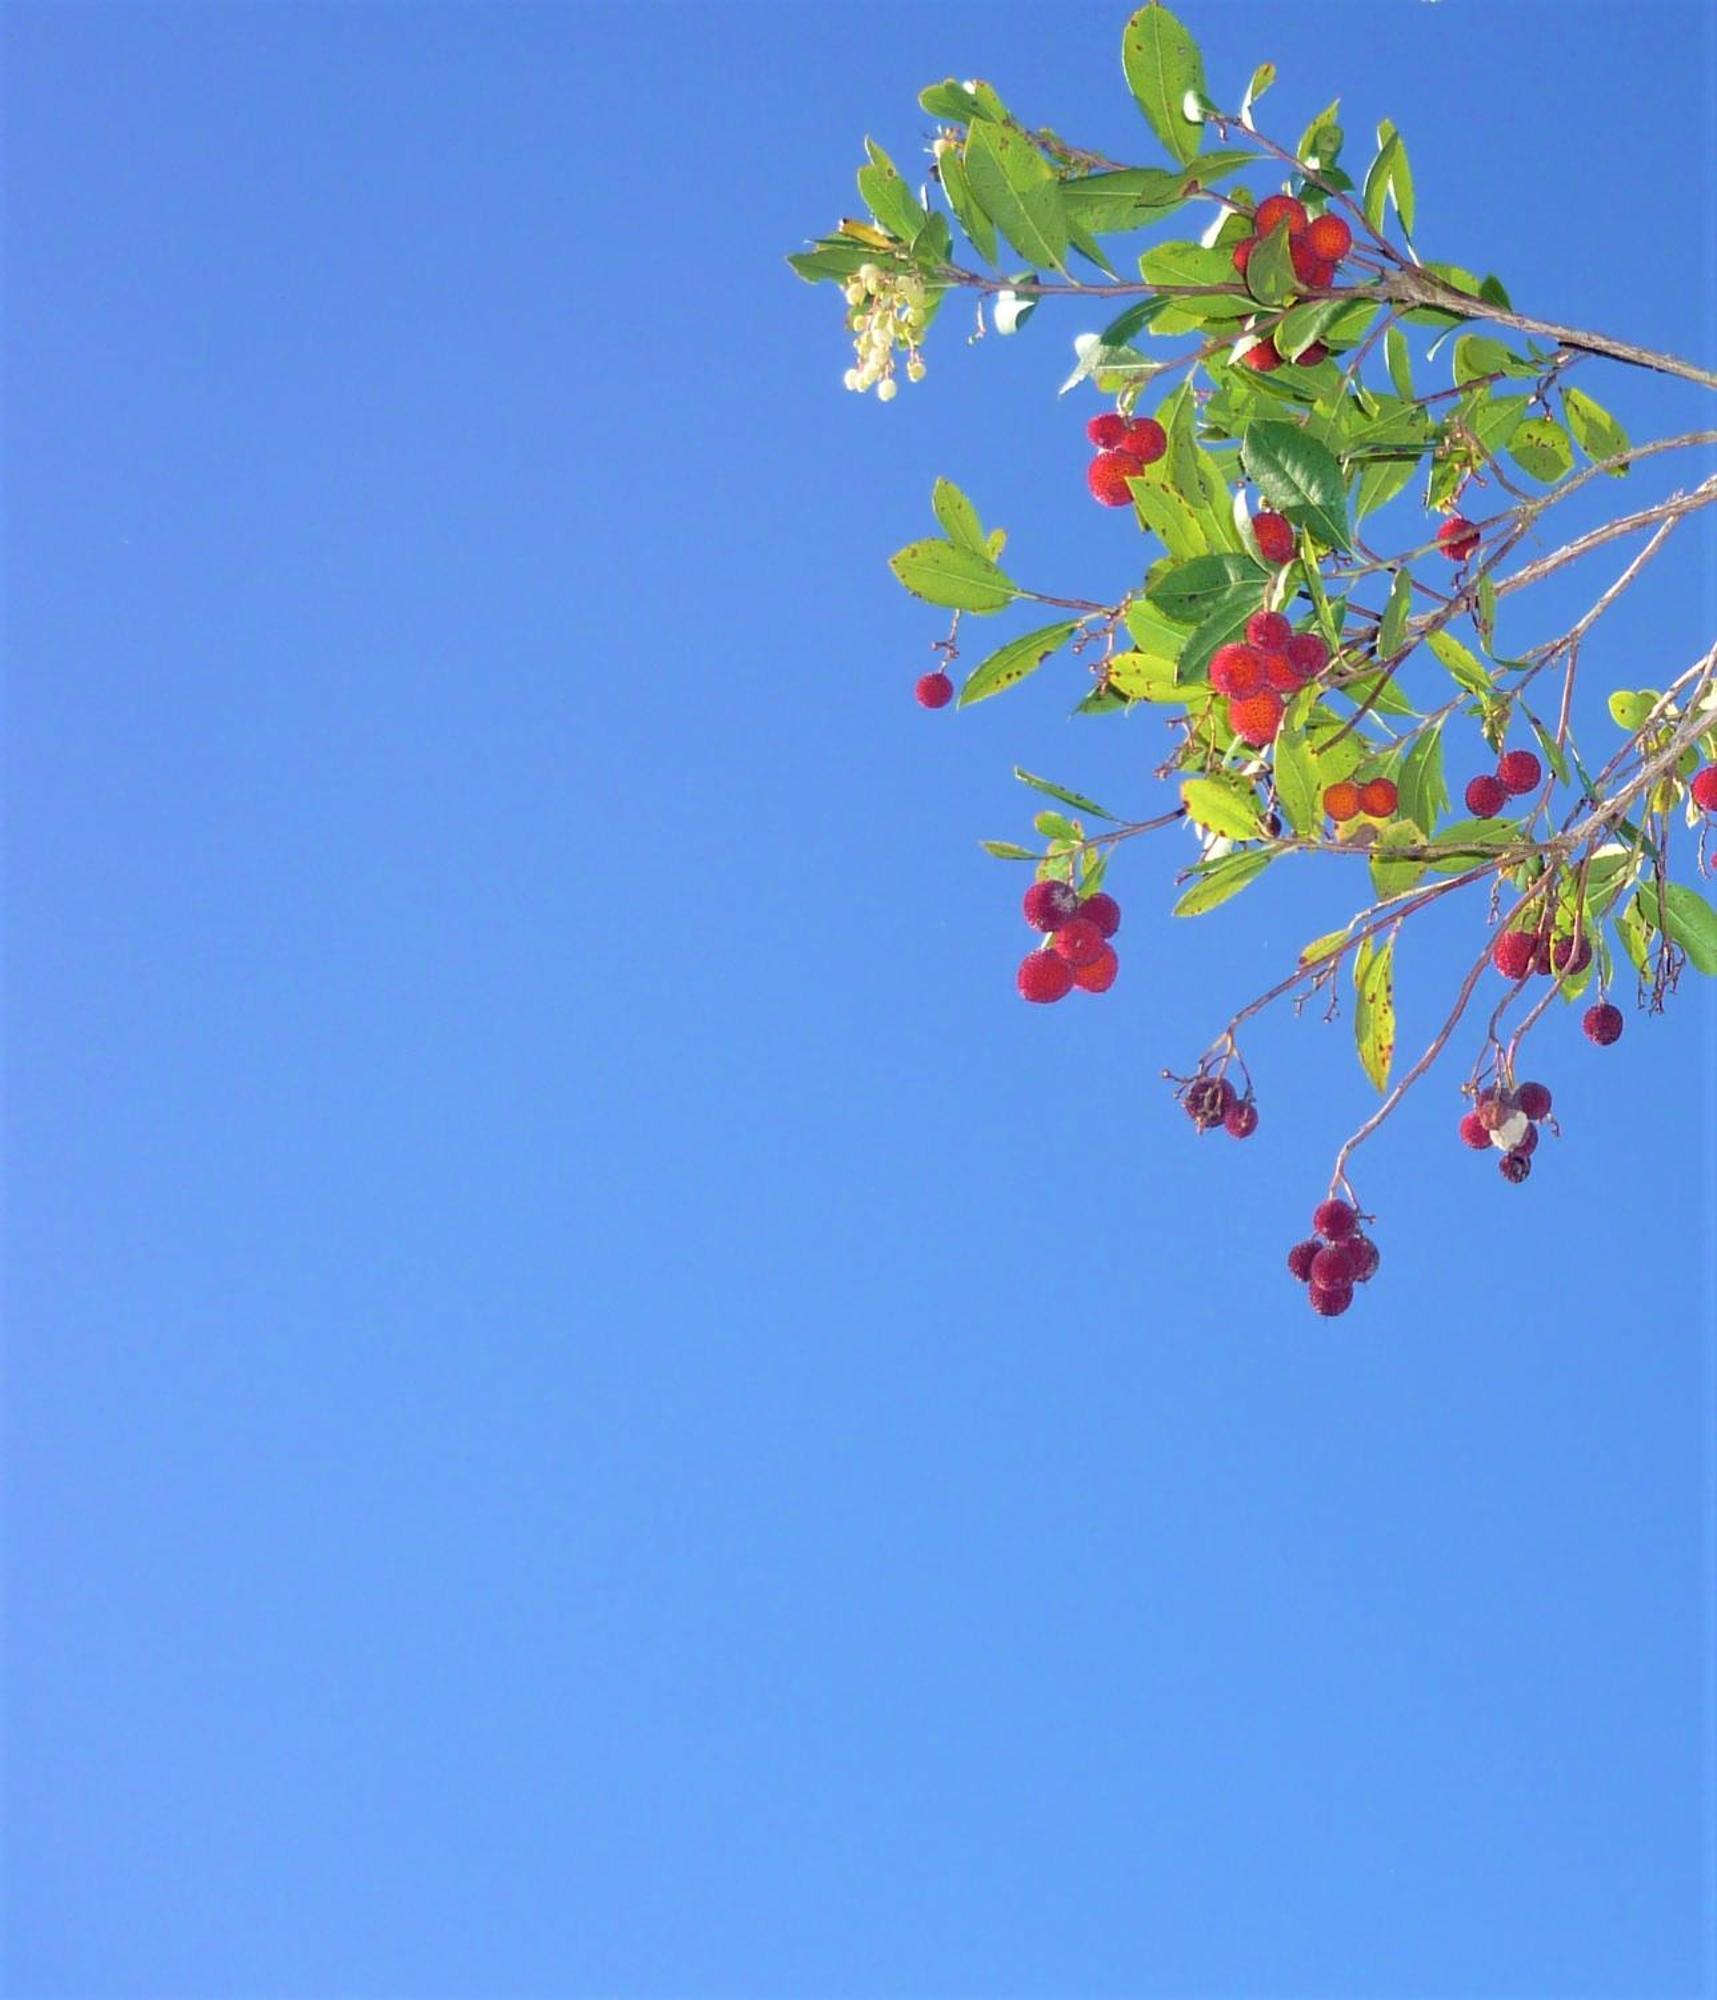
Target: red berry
1048	905
1570	955
1534	1100
1519	772
1514	1167
1269	630
1365	1258
1281	674
1044	977
1379	798
1276	208
1457	538
1603	1024
1513	953
1107	476
1099	975
1079	941
1236	670
1309	267
1208	1101
1241	1120
1274	534
1300	1258
934	690
1334	1219
1316	354
1243	253
1704	789
1330	1305
1107	431
1475	1132
1330	237
1146	440
1333	1267
1103	911
1528	1145
1486	797
1309	653
1341	800
1255	718
1261	357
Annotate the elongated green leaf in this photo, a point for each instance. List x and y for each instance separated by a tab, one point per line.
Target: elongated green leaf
1144	677
959	518
1540	446
1010	664
1424	792
1298	477
1223	805
1465	669
956	578
1379	483
1167	512
888	197
1297	782
1598	433
1216	881
1374	1010
1395	615
1400	362
1077	800
1162	65
1692	922
1016	186
1470	841
1007	850
1270	276
1192	590
951	170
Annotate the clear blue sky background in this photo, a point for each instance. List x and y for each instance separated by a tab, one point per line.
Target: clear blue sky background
593	1406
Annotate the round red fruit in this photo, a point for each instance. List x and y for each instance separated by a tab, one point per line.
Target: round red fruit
1334	1219
1107	431
1241	1120
1276	208
1274	534
1486	797
934	690
1255	718
1079	941
1341	800
1261	357
1570	954
1333	1267
1330	1305
1300	1258
1309	653
1519	772
1365	1258
1534	1100
1475	1132
1146	440
1107	476
1378	798
1514	954
1603	1024
1330	237
1208	1101
1048	905
1281	674
1306	261
1457	538
1044	977
1103	911
1243	253
1704	789
1099	975
1268	629
1236	670
1514	1167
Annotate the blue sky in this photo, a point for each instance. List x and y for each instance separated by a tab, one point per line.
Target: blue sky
593	1406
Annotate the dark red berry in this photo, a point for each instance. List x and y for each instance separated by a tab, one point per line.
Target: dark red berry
1208	1101
1519	772
1528	1145
1365	1258
1475	1132
1274	534
1534	1100
1107	431
1099	975
1103	911
1332	1267
1300	1258
1048	905
1309	653
1486	797
1241	1120
1330	1305
1268	630
1704	789
1458	538
1334	1219
1043	976
1079	941
934	690
1107	476
1236	670
1603	1024
1570	955
1514	1167
1146	440
1513	953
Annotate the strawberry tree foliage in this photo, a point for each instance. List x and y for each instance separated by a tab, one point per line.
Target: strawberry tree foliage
1334	450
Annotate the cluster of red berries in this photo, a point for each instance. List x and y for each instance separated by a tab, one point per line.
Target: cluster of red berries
1210	1101
1458	538
1258	675
1377	798
1518	773
1704	789
1509	1121
1516	954
1125	446
1334	1258
1077	951
1316	245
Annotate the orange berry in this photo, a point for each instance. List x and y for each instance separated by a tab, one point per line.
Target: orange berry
1341	801
1378	798
1279	208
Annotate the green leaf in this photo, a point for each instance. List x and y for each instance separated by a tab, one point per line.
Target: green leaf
1298	477
1215	881
1191	590
1162	64
1629	707
1010	664
1484	610
1465	668
958	104
1326	122
1540	446
1400	362
1224	626
959	518
1419	778
1054	826
1077	800
1131	197
1476	355
1379	483
1598	433
1270	276
1470	841
1223	805
1017	187
1375	197
1324	947
1007	850
1393	873
958	579
1144	677
1396	612
888	197
1297	783
1692	922
1167	512
957	186
1374	1010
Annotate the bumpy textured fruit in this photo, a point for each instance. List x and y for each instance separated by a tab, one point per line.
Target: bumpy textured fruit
1602	1023
1099	975
1309	652
1330	1305
1103	911
1474	1132
1255	718
1107	431
1514	1167
1281	673
1208	1101
1704	789
1366	1258
1341	800
1079	941
1457	538
1048	905
1276	208
1330	237
1261	357
1378	798
1243	253
1146	440
934	690
1300	1258
1107	476
1514	953
1332	1267
1485	797
1520	772
1274	534
1306	261
1043	976
1268	630
1570	955
1240	1121
1236	670
1334	1219
1533	1099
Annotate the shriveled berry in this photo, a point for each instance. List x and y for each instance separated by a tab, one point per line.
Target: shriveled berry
1378	798
1519	772
1474	1132
1309	652
1107	431
1533	1099
1236	670
1107	476
1276	208
1513	954
1274	534
1146	440
1485	797
1332	1267
1103	911
1493	1107
1330	237
1334	1219
1255	718
1704	789
1514	1167
1079	941
1099	975
1330	1304
1048	905
1240	1121
1261	357
1341	800
1044	977
1208	1101
1458	538
934	690
1268	630
1527	1143
1300	1258
1366	1258
1602	1023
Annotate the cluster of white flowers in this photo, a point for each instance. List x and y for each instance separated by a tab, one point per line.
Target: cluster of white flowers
885	309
